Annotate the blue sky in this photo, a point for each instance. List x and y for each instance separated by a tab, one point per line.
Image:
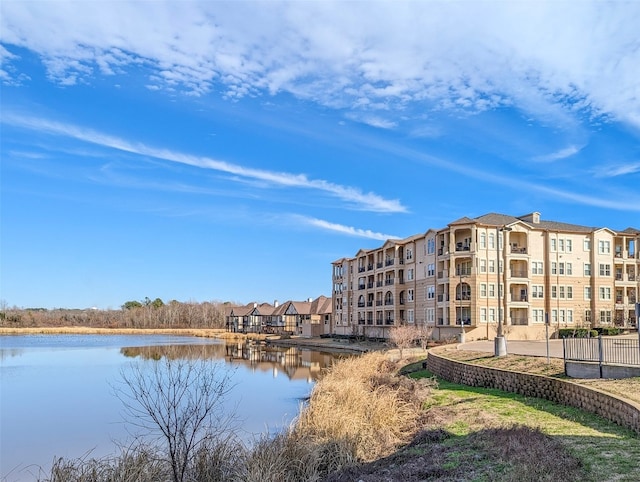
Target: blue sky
232	150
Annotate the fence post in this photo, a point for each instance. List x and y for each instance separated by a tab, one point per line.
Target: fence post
600	354
564	353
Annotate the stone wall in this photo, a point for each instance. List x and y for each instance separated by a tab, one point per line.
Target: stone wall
622	412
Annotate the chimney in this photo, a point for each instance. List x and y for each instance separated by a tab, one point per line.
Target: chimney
255	304
309	300
275	303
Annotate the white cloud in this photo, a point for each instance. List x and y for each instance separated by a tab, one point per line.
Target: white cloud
342	229
558	155
548	58
618	170
358	199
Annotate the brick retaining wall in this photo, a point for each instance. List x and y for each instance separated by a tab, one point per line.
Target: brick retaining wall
622	412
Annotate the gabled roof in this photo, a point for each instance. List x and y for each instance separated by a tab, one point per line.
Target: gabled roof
631	231
463	220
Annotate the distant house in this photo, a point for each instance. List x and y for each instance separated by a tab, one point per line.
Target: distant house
307	318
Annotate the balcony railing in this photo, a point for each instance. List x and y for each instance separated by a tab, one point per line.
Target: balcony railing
388	302
462	247
369	304
520	320
465	297
518	249
370	284
463	272
519	298
388	282
378	284
370	267
361	287
388	321
519	273
379	303
379	264
361	269
463	321
388	262
361	304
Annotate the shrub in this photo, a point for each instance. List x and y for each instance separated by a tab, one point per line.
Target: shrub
577	333
608	330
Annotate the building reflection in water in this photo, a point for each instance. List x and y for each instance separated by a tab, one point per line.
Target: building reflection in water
295	363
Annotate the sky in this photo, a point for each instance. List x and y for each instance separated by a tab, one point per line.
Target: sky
231	151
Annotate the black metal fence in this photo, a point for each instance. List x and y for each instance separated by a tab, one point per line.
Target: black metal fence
605	351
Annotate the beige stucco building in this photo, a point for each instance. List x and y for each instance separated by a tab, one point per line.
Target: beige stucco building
454	279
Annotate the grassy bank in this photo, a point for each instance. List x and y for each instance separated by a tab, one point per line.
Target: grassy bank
82	330
365	422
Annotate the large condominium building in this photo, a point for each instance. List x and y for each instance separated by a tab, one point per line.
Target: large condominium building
454	279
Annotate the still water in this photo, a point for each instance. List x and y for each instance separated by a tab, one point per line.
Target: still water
57	391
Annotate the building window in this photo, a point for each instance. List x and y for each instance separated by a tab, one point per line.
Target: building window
409	295
483	290
569	267
604	247
410	274
483	265
431	269
536	267
605	293
431	246
554	268
569	292
605	316
483	240
570	317
560	268
605	269
483	315
492	266
554	292
538	316
587	269
587	244
537	291
492	314
561	245
492	290
554	316
410	316
569	246
554	244
587	292
431	292
587	316
409	253
492	241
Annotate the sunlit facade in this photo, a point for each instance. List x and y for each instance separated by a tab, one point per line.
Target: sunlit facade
454	279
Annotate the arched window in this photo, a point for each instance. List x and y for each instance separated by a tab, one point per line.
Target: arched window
388	298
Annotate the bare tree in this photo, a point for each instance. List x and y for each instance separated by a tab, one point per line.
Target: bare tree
181	402
403	336
424	332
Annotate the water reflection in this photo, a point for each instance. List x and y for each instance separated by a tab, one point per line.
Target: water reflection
294	363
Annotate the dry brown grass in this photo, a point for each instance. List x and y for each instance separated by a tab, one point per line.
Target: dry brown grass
361	400
83	330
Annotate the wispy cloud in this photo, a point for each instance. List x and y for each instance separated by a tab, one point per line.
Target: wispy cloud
342	229
617	170
470	56
558	155
367	201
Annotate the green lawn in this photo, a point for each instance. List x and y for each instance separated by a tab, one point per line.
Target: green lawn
480	445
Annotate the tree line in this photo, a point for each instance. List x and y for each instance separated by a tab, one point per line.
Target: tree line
133	314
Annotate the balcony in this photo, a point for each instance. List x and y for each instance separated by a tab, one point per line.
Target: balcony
388	303
361	304
388	282
379	264
519	298
370	284
369	304
360	322
389	262
369	321
464	321
370	267
631	277
519	273
520	320
361	269
378	284
463	272
515	249
462	247
379	303
388	321
361	287
464	297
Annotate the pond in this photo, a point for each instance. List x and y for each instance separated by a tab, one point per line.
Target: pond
58	391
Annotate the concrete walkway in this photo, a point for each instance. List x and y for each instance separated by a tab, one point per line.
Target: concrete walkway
518	347
528	348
